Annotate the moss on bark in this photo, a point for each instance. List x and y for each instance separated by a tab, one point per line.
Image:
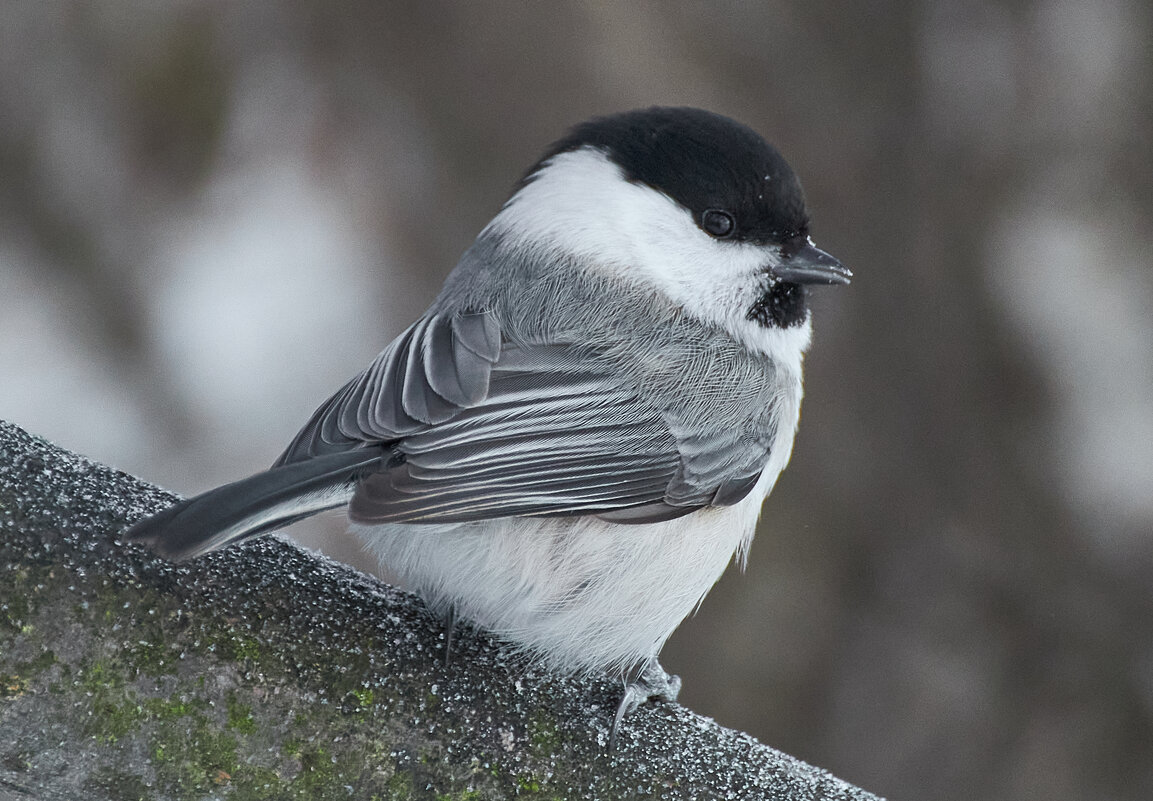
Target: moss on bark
266	672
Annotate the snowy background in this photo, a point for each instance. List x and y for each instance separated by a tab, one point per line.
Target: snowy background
213	214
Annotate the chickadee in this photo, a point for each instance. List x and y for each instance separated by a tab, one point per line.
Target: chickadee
573	441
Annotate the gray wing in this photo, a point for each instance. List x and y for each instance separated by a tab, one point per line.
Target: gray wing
489	428
440	366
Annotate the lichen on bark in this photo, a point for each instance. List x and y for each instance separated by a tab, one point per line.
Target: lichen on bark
266	672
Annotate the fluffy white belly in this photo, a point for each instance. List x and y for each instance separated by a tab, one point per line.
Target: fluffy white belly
579	593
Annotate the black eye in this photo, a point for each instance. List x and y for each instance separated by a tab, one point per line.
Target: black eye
718	223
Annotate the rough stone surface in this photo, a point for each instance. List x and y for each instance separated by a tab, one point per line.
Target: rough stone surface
266	672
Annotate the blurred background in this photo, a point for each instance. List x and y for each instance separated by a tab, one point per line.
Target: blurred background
213	214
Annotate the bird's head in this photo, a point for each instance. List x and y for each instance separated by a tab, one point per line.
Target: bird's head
689	204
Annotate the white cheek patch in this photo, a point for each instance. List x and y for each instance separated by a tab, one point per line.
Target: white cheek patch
581	203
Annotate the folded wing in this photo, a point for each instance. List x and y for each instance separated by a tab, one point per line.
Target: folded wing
492	428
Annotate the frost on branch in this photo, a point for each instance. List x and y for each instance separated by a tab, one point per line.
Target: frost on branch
269	672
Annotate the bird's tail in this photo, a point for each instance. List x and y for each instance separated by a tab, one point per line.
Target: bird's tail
257	504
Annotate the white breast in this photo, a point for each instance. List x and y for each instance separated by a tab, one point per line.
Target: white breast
579	593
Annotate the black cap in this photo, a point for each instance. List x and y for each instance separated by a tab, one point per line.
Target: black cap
703	161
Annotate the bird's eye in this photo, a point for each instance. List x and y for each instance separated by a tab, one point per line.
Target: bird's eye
717	223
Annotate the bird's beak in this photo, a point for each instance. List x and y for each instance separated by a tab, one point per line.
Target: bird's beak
808	264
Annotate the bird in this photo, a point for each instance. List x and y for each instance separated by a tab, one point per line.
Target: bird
572	443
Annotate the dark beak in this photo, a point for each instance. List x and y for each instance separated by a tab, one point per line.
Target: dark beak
808	264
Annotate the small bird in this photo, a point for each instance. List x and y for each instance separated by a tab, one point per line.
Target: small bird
569	446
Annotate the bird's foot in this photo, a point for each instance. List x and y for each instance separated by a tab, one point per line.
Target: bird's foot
650	682
449	631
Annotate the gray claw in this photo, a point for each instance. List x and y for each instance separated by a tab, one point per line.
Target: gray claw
650	683
449	630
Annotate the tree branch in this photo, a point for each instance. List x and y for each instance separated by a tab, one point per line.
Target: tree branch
269	672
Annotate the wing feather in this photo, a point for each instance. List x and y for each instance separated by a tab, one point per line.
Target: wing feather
490	428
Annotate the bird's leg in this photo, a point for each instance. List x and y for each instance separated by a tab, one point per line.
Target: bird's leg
649	682
449	630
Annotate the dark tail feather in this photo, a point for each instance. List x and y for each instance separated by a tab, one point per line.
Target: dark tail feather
257	504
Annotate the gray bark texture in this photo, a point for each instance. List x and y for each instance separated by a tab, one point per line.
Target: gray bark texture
266	672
